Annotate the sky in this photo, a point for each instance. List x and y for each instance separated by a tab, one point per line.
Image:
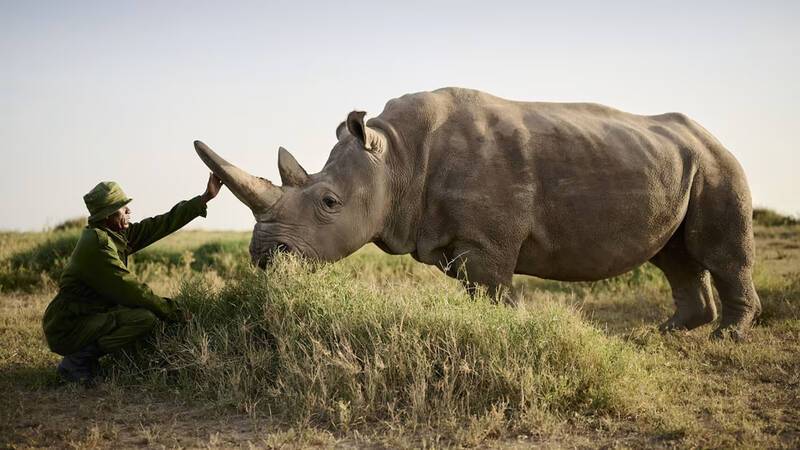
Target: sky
116	90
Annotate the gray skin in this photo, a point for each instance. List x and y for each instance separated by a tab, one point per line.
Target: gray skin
484	188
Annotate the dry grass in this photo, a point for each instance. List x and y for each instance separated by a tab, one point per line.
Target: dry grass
382	351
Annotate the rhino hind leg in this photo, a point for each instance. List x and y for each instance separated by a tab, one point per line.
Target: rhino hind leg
691	287
719	236
740	304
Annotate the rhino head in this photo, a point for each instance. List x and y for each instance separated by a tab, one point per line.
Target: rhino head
325	216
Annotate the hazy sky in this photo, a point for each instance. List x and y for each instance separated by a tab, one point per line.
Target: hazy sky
113	90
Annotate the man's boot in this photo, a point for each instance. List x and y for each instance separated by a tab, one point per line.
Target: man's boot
80	367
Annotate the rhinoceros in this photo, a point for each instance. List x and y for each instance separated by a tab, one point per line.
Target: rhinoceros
484	187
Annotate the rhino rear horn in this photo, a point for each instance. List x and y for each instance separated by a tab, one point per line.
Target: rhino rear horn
257	193
292	173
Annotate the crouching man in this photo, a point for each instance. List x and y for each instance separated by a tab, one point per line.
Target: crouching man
100	306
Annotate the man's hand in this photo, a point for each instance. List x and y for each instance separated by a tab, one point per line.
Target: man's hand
214	185
179	314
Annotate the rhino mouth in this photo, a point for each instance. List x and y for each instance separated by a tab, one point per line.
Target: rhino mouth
264	258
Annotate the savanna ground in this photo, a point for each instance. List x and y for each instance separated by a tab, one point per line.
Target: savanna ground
380	351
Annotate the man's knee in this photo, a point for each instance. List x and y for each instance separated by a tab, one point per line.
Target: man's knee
145	319
132	324
140	319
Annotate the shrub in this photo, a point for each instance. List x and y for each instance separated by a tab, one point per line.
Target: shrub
769	218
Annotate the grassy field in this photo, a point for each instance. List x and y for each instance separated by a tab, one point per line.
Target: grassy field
380	351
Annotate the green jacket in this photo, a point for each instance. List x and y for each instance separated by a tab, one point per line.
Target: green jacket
96	280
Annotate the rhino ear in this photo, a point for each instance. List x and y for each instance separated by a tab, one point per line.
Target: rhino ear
355	125
340	130
372	140
292	174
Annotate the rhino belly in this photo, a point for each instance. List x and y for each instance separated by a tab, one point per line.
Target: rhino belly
592	224
586	254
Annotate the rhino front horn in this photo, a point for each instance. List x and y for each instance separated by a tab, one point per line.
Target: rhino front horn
255	192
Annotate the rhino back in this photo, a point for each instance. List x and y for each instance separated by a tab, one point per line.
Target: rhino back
571	191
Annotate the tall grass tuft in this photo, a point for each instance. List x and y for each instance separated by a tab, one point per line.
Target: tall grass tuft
310	344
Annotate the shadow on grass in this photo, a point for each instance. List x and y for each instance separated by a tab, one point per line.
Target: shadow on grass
636	298
30	377
644	275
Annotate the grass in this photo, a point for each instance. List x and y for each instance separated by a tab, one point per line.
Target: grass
382	351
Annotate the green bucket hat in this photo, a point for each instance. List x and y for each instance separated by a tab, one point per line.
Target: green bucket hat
105	199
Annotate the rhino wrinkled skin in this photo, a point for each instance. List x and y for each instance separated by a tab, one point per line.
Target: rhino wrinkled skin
484	188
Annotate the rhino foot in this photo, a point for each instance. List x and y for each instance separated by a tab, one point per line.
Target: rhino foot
681	322
733	333
737	327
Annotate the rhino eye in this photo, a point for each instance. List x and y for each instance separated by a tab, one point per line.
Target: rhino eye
330	202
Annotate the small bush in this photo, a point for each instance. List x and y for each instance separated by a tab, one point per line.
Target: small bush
33	266
71	224
226	257
309	343
156	255
769	218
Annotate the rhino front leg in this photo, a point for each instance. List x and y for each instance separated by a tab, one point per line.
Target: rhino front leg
476	267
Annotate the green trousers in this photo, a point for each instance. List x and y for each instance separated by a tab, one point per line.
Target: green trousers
110	330
132	324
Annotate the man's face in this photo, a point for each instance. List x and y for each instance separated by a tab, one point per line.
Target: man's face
120	220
